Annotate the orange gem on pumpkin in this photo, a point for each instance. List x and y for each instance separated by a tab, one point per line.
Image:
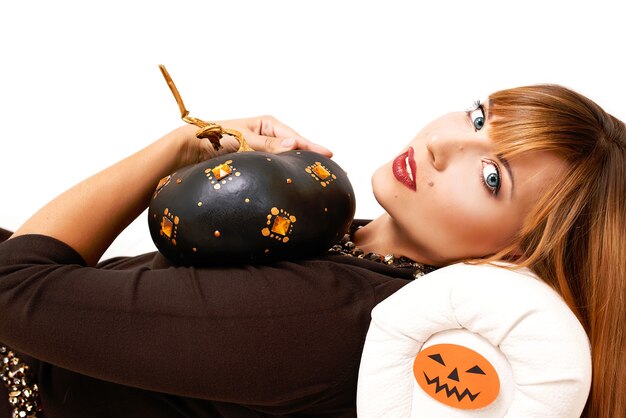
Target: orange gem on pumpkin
166	226
321	172
281	225
163	182
221	171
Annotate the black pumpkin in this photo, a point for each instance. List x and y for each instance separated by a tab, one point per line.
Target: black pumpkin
251	207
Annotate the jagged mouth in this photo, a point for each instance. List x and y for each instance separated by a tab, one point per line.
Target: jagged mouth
449	392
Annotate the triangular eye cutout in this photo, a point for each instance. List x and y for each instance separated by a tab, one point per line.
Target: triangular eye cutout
437	358
475	370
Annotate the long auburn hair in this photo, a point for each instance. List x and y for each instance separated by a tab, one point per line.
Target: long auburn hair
575	237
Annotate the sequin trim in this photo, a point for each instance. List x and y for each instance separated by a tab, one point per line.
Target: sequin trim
23	393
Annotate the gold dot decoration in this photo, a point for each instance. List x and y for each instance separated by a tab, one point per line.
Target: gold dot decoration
221	173
169	226
178	181
247	200
289	181
320	173
217	234
162	183
279	225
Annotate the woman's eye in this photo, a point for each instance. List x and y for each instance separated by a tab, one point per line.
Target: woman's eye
490	176
477	116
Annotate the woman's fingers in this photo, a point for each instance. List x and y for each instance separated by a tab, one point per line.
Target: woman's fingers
271	127
312	146
268	134
277	145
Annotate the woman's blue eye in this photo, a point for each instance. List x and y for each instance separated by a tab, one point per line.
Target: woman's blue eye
490	176
477	116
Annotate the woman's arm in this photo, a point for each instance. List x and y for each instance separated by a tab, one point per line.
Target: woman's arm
90	215
275	335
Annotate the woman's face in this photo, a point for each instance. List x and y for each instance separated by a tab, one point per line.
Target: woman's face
451	198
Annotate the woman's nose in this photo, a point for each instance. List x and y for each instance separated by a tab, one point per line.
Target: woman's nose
445	146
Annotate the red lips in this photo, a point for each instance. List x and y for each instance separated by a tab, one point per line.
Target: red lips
400	170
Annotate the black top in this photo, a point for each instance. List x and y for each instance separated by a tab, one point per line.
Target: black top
140	337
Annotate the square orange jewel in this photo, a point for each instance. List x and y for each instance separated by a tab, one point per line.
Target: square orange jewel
163	182
321	172
221	171
167	226
281	225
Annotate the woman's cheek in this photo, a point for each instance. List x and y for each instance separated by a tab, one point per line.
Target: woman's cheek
467	224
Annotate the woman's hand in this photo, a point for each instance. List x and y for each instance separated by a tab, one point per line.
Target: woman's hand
263	133
268	134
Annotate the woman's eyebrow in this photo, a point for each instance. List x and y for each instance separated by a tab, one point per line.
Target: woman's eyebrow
506	165
504	161
486	107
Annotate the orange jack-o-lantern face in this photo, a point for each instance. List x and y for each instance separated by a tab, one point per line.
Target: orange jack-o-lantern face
456	376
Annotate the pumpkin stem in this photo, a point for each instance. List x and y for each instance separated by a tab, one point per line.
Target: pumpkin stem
210	130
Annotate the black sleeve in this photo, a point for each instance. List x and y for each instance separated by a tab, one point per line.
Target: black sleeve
258	335
4	234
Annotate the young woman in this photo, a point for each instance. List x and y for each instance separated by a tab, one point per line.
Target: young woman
536	176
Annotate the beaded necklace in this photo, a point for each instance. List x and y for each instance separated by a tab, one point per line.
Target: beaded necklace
347	247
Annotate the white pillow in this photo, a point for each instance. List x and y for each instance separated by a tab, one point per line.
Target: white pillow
514	320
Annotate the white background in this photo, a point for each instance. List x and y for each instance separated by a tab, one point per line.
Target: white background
80	87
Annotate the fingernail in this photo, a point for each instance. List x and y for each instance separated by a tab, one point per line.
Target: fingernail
287	142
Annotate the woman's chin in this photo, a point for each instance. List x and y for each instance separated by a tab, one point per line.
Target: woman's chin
381	186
